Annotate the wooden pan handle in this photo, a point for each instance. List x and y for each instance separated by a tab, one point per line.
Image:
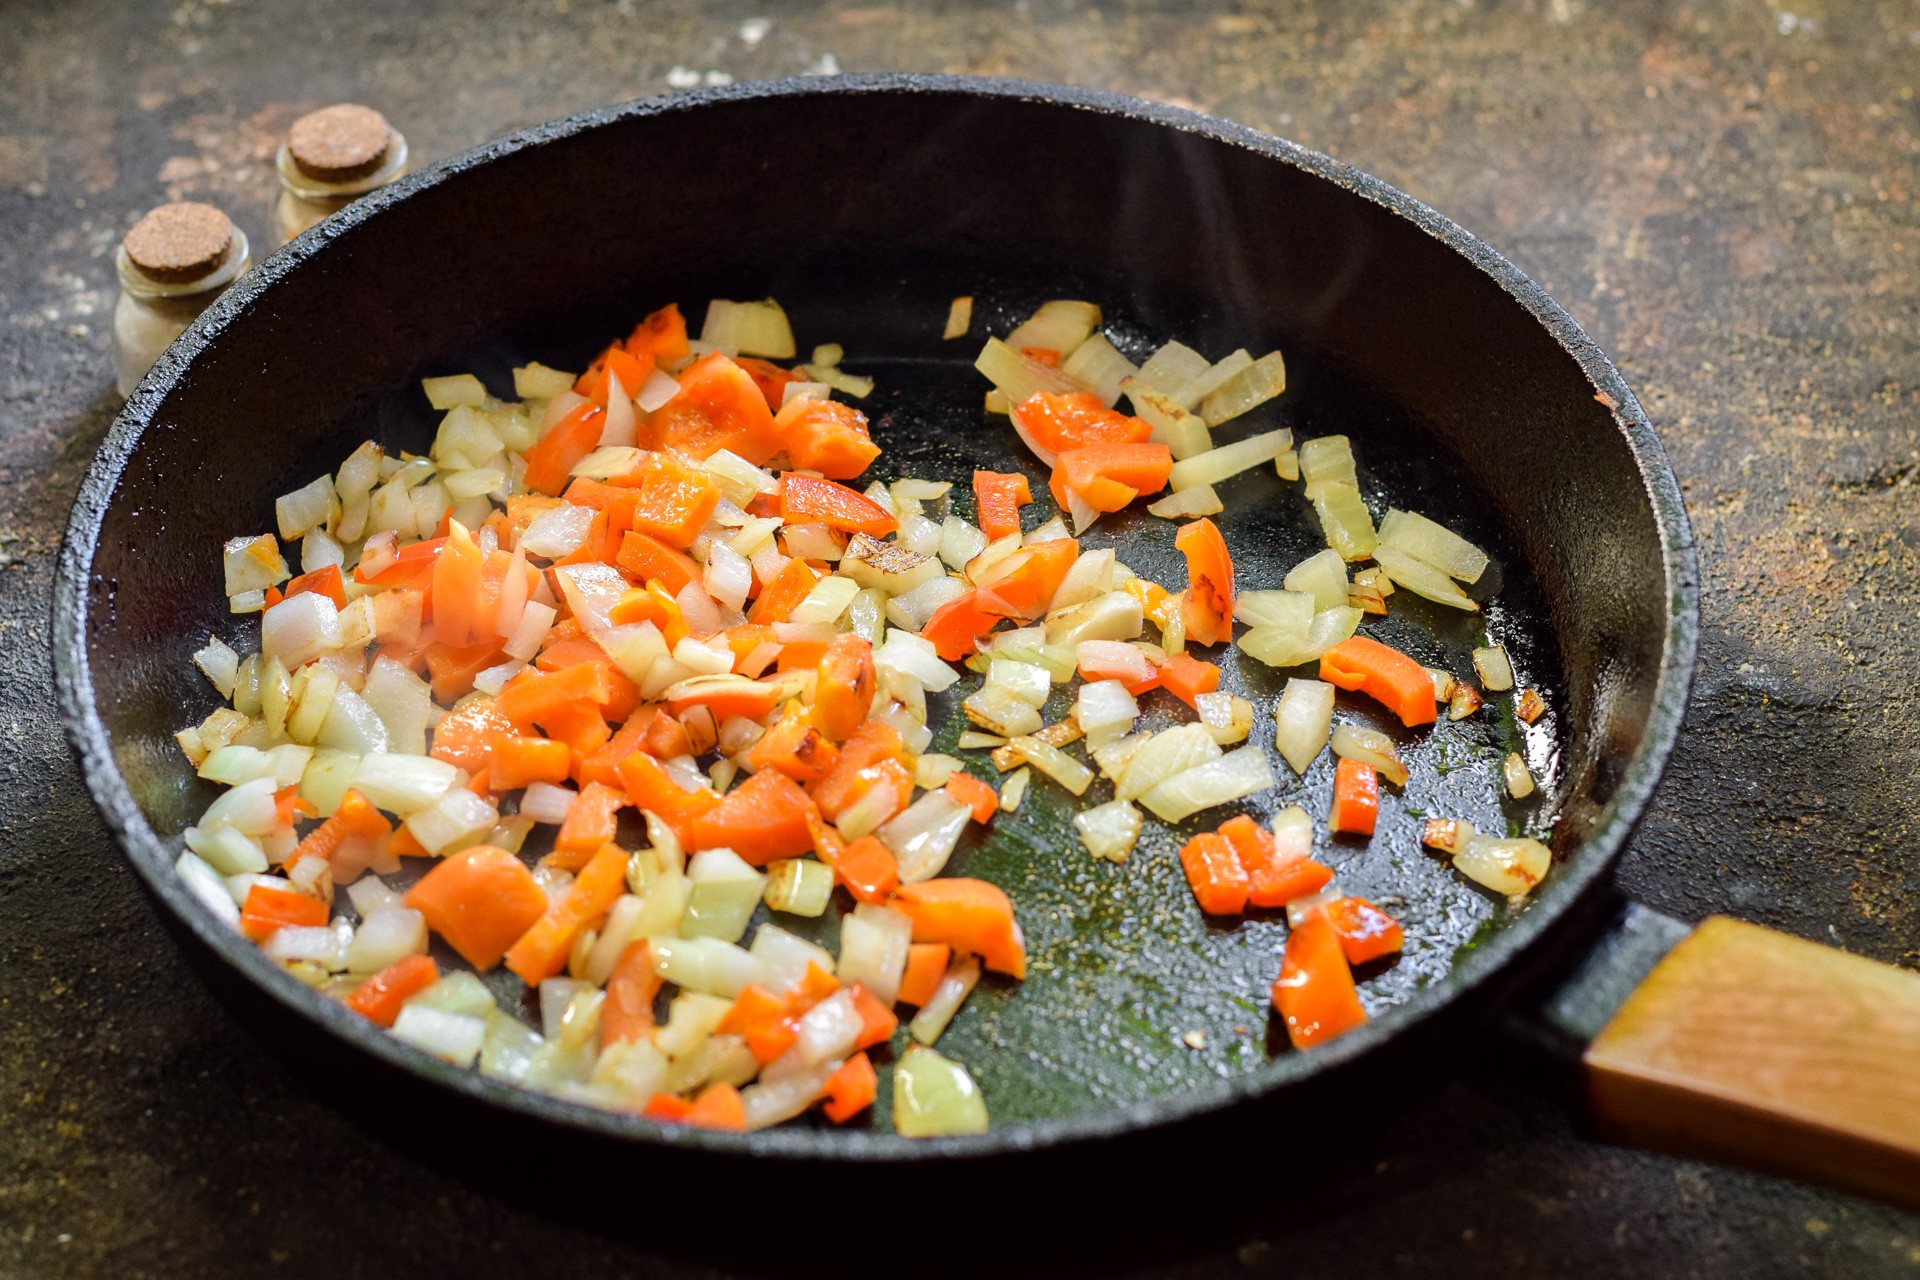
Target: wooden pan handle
1753	1047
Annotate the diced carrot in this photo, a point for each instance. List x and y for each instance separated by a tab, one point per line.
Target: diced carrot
456	589
1214	873
603	765
843	693
615	362
850	1090
1028	579
794	747
1094	669
515	760
1365	931
541	952
481	900
627	1013
593	819
828	844
770	378
826	436
968	915
973	793
268	910
662	334
926	965
666	738
1186	677
811	500
1273	879
380	998
998	497
868	869
727	697
877	1022
412	566
582	728
1356	798
274	595
1207	605
402	844
1108	476
874	743
956	625
451	671
718	1107
717	407
762	1019
592	547
324	581
354	816
788	588
667	1107
800	655
676	499
1074	420
615	501
647	559
815	985
652	791
763	818
1314	993
572	438
534	697
1384	674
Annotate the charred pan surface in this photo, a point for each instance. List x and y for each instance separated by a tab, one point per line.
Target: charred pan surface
1722	194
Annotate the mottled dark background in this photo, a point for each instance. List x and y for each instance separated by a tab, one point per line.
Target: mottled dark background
1723	193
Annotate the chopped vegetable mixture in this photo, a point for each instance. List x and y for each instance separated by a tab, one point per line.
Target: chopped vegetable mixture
654	587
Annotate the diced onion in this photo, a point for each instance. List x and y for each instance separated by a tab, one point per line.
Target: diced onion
1171	367
1370	747
1434	544
723	891
911	610
1195	500
1228	717
1109	830
934	1097
386	936
1014	789
1512	867
1290	609
1234	776
912	656
1090	576
1165	755
1495	671
959	317
771	1101
955	985
402	784
891	567
1344	521
455	820
536	381
706	965
1249	387
656	391
1328	460
873	949
1322	575
1059	326
799	887
1105	710
1018	377
923	835
998	710
960	542
1114	616
1302	720
1449	835
1228	460
220	664
1053	762
1519	781
1184	433
749	329
308	507
1422	579
1029	683
454	1037
455	389
1097	365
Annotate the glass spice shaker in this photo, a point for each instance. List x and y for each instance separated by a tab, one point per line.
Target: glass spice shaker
172	265
330	158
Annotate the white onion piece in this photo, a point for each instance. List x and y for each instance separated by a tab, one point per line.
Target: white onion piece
454	1037
1291	610
385	937
1495	671
656	391
1292	833
911	610
1512	867
220	664
1014	789
591	590
1109	830
1031	684
402	784
827	601
960	542
557	531
722	892
933	1097
784	956
404	703
300	629
1195	500
325	945
1322	575
998	710
1519	781
1184	433
1302	909
908	655
1229	460
697	607
1203	384
370	894
1234	776
1116	656
620	428
956	984
226	850
318	550
252	564
536	620
706	965
1053	762
1433	543
1370	747
749	328
1165	755
1228	717
1105	711
454	820
1097	365
307	507
1019	378
1327	460
247	808
829	1030
1090	576
1344	521
1302	721
1054	530
728	577
873	949
923	835
1059	326
771	1102
1422	578
1248	388
1172	367
1114	616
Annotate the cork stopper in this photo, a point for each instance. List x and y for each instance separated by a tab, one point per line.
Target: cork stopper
339	143
178	243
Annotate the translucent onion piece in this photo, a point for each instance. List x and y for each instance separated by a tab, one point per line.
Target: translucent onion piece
749	329
1495	671
1422	579
960	542
384	937
998	710
402	784
1059	326
1519	781
1165	755
1114	616
457	819
657	390
723	891
1183	432
1292	833
1226	716
453	1037
912	609
1229	460
220	664
1327	460
829	1030
455	389
1195	500
888	566
1172	367
1370	747
1234	776
1290	610
1302	721
955	985
1016	376
1344	521
1014	789
1529	706
1251	386
934	1097
308	507
1512	867
873	949
959	318
706	965
799	887
924	834
1299	910
1109	830
253	564
1053	762
537	382
1090	576
1449	835
1030	684
1434	544
1097	365
300	629
1323	576
772	1101
827	601
1054	530
1105	710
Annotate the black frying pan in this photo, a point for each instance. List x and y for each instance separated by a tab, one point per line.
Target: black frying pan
865	204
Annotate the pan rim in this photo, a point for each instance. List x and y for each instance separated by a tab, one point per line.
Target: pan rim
151	860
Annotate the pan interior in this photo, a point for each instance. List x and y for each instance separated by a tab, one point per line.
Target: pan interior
1460	405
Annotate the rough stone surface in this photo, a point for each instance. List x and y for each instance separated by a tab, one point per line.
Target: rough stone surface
1724	193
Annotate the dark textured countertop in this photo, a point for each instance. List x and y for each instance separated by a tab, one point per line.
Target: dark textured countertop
1723	193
